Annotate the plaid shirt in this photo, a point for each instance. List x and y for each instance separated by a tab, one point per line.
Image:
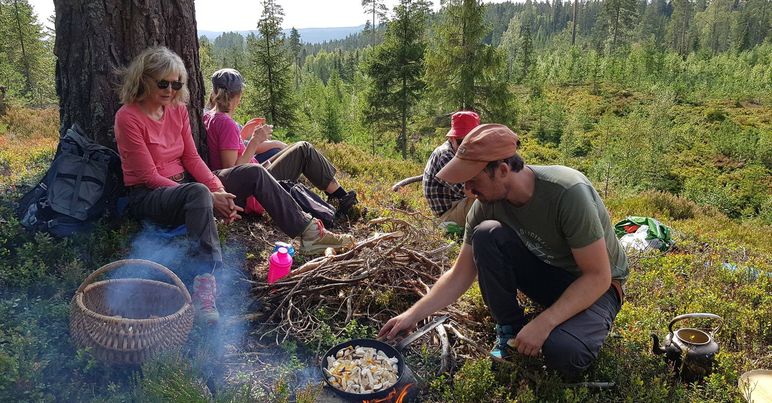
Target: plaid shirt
439	194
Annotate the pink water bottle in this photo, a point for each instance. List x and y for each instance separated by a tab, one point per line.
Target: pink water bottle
279	265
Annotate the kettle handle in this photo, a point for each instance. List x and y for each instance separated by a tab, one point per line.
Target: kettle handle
697	315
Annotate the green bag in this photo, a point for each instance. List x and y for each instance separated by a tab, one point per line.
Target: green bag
657	234
452	228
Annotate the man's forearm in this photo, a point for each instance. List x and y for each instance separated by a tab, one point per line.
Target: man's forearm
582	293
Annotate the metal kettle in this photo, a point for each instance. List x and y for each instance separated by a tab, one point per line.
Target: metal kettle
692	351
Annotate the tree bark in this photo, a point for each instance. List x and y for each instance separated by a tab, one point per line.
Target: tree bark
95	39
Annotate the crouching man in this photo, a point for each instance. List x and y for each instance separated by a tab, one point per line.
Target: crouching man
542	230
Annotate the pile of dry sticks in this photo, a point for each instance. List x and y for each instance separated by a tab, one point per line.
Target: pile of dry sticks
351	285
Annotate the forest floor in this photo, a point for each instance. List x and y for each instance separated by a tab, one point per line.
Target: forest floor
718	265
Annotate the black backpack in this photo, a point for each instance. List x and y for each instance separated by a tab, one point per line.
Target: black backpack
83	184
310	202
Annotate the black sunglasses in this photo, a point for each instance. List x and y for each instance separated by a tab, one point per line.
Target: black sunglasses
164	84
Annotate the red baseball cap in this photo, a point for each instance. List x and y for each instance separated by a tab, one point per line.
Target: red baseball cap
486	143
462	123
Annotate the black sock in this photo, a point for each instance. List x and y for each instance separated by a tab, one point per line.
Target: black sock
338	193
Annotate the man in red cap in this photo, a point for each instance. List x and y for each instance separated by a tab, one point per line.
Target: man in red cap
542	230
448	201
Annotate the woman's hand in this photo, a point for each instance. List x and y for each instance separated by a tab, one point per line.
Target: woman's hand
249	128
263	132
259	136
225	207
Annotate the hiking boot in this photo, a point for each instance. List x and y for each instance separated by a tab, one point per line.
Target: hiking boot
315	239
204	290
505	336
346	202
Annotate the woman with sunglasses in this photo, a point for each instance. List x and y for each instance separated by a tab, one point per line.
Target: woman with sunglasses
169	183
226	148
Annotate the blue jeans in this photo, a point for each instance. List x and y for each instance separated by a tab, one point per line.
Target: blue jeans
505	265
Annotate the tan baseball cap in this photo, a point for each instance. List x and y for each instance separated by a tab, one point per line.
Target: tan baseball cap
485	143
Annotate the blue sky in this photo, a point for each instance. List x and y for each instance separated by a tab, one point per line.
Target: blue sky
237	15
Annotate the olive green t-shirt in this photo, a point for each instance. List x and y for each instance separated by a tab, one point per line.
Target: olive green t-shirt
564	213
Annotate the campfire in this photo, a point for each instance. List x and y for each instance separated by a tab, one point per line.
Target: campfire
397	395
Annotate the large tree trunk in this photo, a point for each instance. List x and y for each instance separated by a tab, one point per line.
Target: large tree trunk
96	38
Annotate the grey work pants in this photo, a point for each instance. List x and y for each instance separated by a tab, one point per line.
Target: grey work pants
253	180
505	265
187	203
302	158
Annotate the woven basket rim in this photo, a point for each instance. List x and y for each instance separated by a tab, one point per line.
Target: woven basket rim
78	298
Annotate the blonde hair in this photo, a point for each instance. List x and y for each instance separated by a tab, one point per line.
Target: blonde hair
152	64
221	98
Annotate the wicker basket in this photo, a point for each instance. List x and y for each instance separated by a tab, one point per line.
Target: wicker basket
128	320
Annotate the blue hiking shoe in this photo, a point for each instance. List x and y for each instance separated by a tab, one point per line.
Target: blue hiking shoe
501	348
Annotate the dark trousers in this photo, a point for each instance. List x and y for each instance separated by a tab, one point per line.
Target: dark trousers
302	158
505	265
253	180
189	204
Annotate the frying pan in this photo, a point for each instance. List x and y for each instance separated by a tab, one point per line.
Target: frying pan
391	351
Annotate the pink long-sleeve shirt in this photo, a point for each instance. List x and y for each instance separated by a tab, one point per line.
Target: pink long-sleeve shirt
152	151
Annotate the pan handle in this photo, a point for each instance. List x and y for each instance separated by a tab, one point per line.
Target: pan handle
420	332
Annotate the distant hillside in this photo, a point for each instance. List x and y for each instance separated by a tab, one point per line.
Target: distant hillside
307	35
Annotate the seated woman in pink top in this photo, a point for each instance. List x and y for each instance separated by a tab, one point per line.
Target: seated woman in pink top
170	184
226	148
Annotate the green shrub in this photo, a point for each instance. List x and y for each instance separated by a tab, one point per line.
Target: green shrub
171	379
740	193
715	115
662	205
474	382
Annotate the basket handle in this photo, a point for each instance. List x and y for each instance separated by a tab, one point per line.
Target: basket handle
142	262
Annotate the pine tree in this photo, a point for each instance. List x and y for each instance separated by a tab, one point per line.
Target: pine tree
26	57
526	42
206	59
228	50
574	16
294	48
461	70
617	22
653	23
713	26
396	69
510	45
678	31
272	65
332	123
377	9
